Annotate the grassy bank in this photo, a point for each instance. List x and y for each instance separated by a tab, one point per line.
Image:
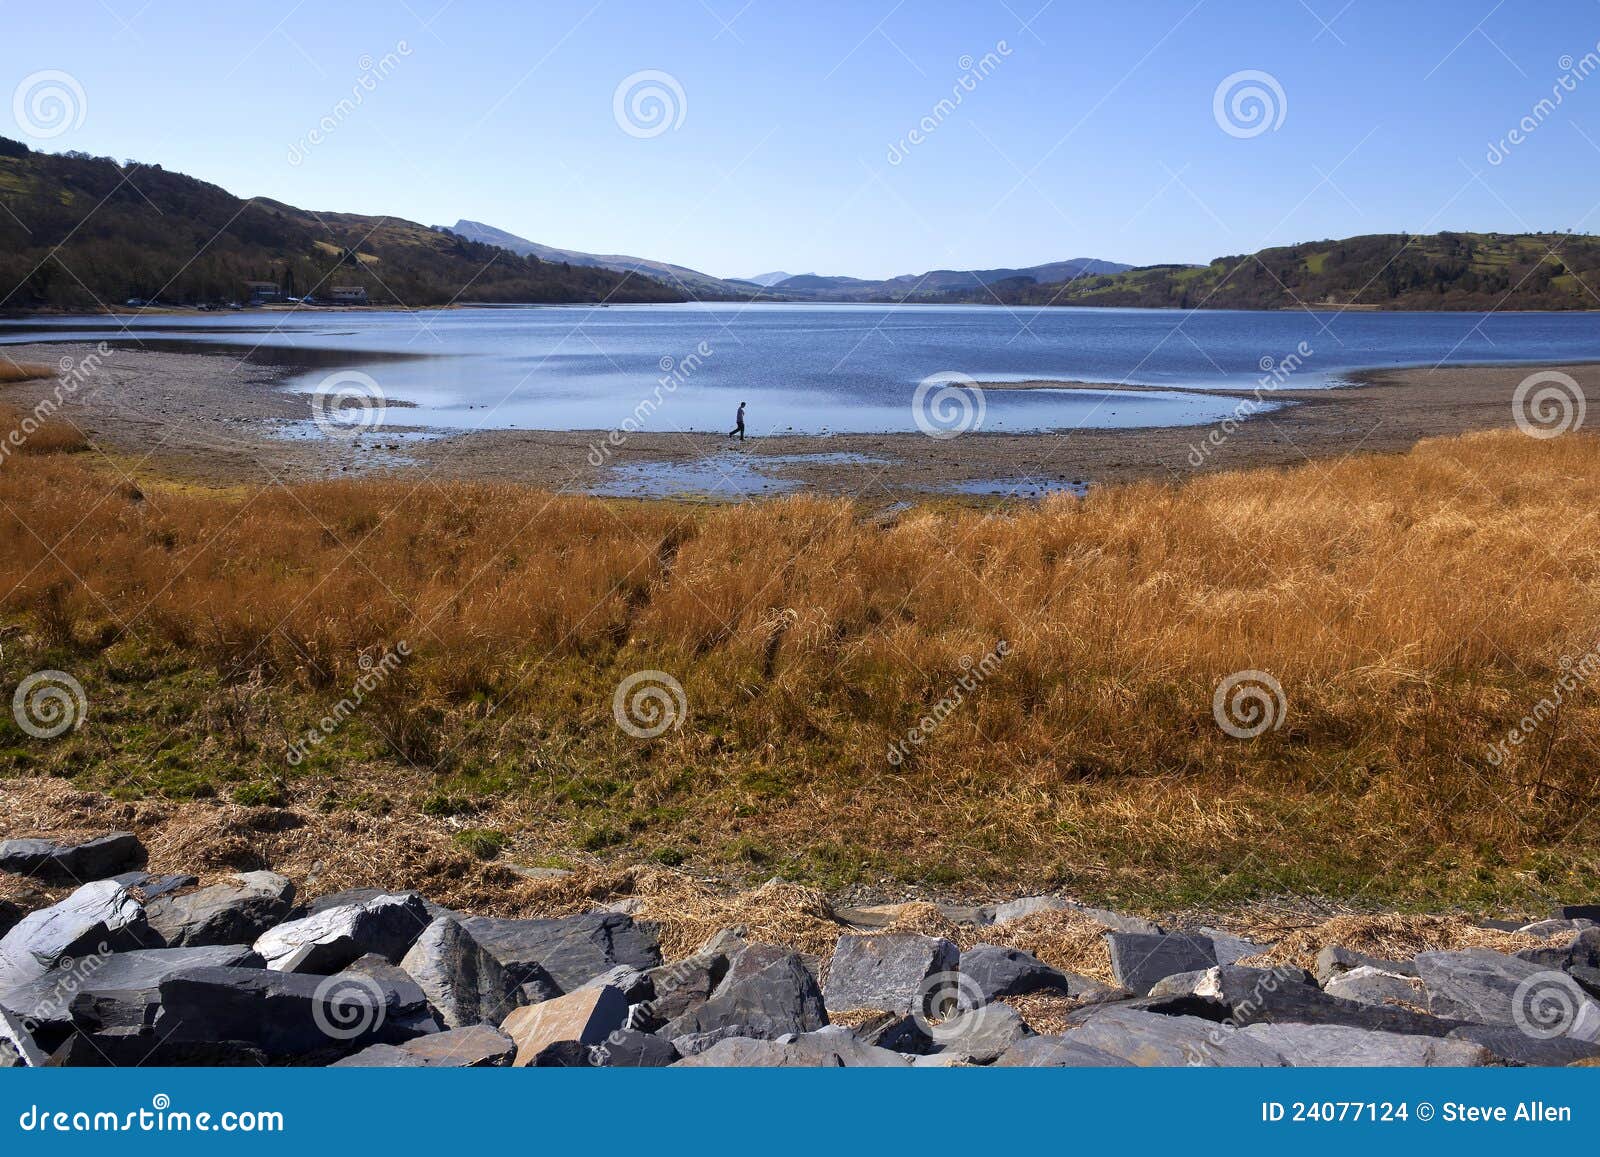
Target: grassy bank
1412	608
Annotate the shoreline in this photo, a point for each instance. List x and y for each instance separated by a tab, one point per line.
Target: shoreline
211	419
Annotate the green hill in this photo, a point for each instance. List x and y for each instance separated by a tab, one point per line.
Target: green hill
1444	271
79	231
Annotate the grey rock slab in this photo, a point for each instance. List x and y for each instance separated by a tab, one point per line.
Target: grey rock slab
1491	988
150	886
1231	949
1032	905
980	1034
629	1049
97	918
287	1016
1577	912
766	999
805	1050
1339	1046
81	863
570	951
362	896
548	1033
636	986
886	970
1140	960
475	1047
1242	996
10	914
462	979
1151	1040
328	940
680	986
1513	1046
1546	929
1333	960
18	1047
373	978
231	913
119	990
1581	950
997	972
1369	985
1058	1052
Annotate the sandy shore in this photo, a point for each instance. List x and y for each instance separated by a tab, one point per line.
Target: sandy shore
213	420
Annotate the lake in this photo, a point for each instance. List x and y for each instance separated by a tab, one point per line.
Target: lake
815	368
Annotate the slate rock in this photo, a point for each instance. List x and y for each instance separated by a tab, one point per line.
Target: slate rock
636	986
475	1047
364	896
115	991
18	1048
1333	960
1057	1052
584	1018
97	918
768	992
462	979
1579	951
1368	985
1577	912
822	1049
10	914
886	970
1511	1045
148	887
1549	929
980	1035
1491	988
1231	949
286	1015
1243	996
630	1049
1588	978
1339	1046
405	1005
681	986
118	1050
1140	960
1151	1040
230	913
997	972
1032	905
82	863
569	951
328	940
694	1043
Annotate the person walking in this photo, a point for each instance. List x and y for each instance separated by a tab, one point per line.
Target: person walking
738	424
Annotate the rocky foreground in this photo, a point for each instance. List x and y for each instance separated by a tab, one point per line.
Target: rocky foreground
136	968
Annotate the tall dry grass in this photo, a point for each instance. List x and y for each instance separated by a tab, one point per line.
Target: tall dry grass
1412	608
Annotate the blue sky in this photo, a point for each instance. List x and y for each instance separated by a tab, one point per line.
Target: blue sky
1093	132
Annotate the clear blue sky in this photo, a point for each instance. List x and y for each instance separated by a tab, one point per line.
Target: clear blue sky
1095	136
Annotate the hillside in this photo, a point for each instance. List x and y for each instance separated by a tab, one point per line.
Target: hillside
79	231
938	284
1443	271
691	282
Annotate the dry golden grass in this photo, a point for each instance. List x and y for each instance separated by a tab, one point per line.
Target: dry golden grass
1412	607
52	436
1390	937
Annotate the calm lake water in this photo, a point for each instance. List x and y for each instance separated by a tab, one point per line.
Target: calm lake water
825	368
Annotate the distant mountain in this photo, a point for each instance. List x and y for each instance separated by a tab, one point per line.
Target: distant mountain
99	232
940	282
1441	271
691	282
766	280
